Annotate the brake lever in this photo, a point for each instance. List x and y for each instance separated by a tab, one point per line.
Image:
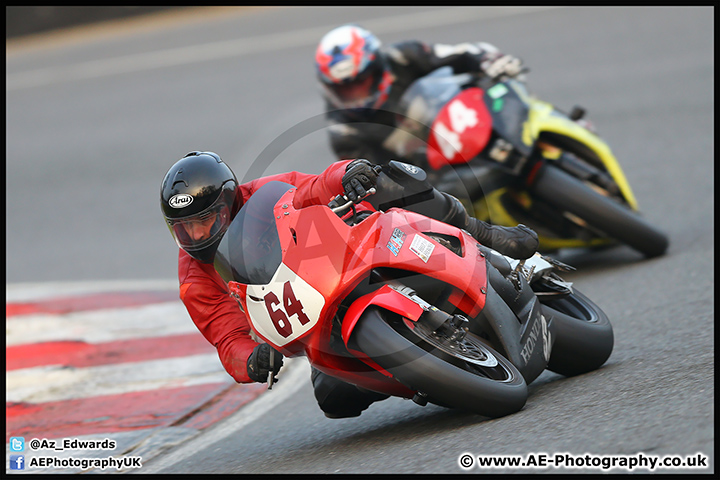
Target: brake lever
271	377
342	207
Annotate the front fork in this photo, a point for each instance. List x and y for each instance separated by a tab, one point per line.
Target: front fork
588	173
545	154
454	327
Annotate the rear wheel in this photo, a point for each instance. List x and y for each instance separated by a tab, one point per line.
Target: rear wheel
583	334
466	374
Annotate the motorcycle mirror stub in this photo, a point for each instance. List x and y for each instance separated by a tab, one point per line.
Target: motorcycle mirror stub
401	169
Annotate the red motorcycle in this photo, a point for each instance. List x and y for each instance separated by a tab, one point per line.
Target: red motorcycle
399	303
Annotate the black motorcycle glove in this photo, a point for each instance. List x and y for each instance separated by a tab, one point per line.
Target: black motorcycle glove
360	176
258	364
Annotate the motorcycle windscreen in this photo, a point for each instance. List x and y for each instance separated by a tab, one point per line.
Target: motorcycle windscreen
250	251
418	107
508	104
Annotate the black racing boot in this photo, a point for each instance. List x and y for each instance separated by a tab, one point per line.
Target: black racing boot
518	242
338	399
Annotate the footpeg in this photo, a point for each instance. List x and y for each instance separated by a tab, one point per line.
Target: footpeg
420	398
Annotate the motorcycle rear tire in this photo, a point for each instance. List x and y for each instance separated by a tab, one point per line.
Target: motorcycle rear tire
583	334
447	380
567	193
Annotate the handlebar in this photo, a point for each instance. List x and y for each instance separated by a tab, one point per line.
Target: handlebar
486	82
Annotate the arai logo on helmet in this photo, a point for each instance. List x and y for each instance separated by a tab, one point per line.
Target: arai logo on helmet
180	200
342	70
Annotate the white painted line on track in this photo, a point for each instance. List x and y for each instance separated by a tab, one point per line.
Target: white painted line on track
295	373
56	383
24	292
96	326
247	46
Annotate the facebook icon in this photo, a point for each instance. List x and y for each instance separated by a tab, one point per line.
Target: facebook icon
17	462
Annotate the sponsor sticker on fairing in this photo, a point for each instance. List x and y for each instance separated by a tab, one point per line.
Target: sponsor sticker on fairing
422	247
396	241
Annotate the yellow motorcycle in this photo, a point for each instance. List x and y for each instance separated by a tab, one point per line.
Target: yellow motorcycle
512	158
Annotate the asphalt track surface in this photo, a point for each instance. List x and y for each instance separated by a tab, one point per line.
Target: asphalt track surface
95	118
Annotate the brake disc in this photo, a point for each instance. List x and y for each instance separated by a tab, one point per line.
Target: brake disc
469	349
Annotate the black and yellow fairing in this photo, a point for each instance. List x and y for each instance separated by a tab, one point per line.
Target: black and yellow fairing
551	133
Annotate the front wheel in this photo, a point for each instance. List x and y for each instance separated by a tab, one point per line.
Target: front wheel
466	374
569	194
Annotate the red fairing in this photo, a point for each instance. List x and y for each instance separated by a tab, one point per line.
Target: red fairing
386	298
326	259
460	131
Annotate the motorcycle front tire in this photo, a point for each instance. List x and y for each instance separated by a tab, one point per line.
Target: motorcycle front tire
445	379
568	193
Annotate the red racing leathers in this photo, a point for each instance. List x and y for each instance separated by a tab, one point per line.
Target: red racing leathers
205	294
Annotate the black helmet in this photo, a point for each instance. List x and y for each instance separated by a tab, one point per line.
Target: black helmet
199	198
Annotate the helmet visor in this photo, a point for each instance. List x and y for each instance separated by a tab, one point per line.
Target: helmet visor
196	232
353	94
361	92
